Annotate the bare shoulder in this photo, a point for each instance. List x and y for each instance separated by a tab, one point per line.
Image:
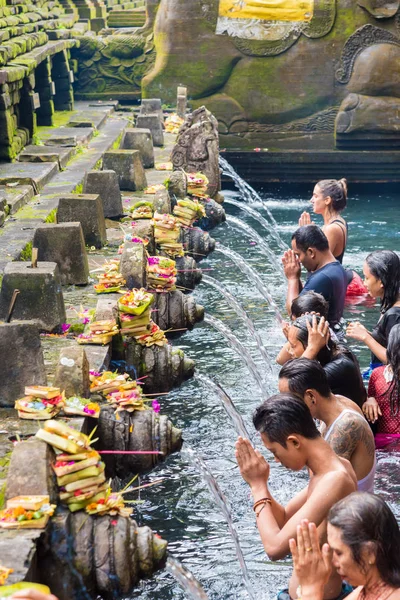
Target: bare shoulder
342	481
395	595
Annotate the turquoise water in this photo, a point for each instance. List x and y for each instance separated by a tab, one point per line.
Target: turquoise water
181	508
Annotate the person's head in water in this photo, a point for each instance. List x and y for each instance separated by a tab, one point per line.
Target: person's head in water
382	277
298	340
309	302
310	244
329	195
365	538
393	359
286	425
306	379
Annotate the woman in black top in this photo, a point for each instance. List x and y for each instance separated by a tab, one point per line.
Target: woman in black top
329	199
309	337
382	278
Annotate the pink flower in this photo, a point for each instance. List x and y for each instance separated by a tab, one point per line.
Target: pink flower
137	241
86	320
95	373
156	406
153	260
65	327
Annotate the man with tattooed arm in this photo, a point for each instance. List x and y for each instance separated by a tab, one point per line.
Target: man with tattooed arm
344	425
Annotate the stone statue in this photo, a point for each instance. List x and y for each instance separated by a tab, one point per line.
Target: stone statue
197	148
264	79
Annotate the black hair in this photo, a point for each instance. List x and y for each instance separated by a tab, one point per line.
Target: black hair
385	265
363	519
336	190
304	374
282	415
309	302
310	236
393	358
328	352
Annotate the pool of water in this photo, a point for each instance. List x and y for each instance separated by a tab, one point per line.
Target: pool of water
181	508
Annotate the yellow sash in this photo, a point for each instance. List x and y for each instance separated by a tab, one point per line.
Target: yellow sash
267	10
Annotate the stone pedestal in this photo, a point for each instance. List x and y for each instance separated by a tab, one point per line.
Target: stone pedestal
40	297
128	166
30	472
181	102
133	265
87	209
151	106
197	243
152	122
140	139
106	184
21	359
64	244
72	374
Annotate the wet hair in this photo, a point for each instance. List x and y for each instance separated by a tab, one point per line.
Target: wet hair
393	358
309	302
282	415
385	265
303	374
328	352
362	519
336	190
310	236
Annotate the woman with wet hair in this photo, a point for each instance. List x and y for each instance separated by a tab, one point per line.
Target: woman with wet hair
309	337
363	546
383	403
329	199
382	279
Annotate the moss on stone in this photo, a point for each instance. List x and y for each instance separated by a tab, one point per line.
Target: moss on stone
26	253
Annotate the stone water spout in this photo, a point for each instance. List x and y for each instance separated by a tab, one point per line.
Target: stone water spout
176	310
162	368
139	430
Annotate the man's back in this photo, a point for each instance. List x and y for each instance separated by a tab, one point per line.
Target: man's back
350	436
331	282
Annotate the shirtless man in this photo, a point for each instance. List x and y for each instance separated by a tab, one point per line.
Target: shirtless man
288	431
345	427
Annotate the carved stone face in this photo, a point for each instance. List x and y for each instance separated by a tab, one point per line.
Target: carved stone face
380	9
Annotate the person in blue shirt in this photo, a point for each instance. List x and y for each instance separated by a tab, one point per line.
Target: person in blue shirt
326	276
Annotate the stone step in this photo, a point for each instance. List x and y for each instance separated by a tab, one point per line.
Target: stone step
16	196
44	154
28	174
90	118
64	136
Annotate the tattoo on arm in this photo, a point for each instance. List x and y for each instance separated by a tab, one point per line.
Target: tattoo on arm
348	433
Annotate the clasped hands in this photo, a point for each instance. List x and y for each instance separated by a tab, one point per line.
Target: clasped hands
252	465
291	265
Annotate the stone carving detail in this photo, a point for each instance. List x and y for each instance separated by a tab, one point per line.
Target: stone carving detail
319	26
366	36
197	148
380	9
117	63
323	121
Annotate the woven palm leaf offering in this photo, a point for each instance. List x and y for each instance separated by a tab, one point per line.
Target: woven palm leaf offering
134	312
173	123
39	403
78	468
161	274
108	381
155	337
166	234
5	572
197	184
100	332
141	210
75	405
9	590
113	504
26	512
110	280
129	400
153	189
187	211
